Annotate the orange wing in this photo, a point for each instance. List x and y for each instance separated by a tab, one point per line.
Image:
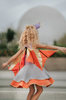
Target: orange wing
39	57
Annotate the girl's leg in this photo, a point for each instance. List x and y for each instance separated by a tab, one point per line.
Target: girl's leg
31	92
37	94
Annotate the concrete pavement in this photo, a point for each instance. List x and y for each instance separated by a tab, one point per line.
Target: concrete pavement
19	94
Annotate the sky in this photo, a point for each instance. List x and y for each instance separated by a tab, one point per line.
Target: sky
12	10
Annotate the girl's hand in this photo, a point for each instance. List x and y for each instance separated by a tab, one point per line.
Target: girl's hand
4	65
63	49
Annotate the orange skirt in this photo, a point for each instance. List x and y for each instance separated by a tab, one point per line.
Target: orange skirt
22	84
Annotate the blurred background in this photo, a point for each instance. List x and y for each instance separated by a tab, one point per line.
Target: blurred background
14	16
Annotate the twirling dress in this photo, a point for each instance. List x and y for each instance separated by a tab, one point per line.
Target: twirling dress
29	68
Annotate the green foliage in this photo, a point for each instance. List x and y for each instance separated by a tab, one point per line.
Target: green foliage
5	49
55	42
10	35
59	54
3	39
61	43
8	51
3	46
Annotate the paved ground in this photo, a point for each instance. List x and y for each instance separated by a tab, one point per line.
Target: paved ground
57	91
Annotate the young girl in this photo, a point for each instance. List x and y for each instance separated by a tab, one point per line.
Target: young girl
28	63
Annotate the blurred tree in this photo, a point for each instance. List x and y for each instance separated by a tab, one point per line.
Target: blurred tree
10	35
55	42
3	40
11	38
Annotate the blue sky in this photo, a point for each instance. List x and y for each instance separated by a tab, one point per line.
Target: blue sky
12	10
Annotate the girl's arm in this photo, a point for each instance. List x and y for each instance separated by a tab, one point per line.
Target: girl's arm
63	49
12	58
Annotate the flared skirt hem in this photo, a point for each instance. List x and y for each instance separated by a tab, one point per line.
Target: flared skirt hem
23	84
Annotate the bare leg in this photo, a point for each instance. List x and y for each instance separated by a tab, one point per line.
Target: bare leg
31	92
37	94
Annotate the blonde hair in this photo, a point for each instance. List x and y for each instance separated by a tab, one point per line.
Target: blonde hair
29	36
